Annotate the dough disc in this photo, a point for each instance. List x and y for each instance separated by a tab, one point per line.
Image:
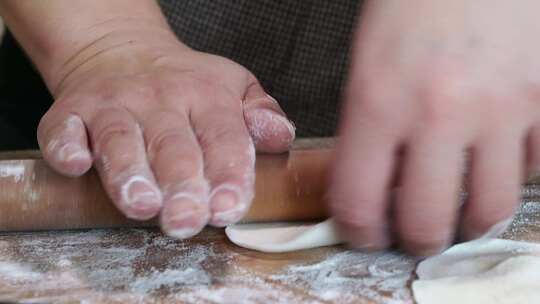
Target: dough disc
282	237
486	270
481	271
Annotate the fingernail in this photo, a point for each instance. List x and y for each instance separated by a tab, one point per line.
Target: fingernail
75	159
287	123
141	197
266	123
226	205
184	217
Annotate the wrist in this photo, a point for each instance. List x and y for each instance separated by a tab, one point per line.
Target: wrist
55	34
114	42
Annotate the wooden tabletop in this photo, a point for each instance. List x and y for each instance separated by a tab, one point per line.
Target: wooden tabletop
143	266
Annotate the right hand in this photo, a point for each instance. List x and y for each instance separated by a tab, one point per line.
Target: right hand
170	130
422	94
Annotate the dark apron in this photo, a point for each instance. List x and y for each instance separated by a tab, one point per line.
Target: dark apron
297	49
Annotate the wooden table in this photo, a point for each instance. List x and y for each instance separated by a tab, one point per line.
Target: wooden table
143	266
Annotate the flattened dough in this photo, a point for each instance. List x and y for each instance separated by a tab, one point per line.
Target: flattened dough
282	237
487	270
481	271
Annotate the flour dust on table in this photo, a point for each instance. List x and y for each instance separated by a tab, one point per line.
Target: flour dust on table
476	272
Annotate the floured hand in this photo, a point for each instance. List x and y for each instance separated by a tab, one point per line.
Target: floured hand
170	130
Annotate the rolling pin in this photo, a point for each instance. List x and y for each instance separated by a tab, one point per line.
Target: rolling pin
288	187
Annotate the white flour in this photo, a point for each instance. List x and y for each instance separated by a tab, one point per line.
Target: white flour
14	169
188	272
143	266
381	277
16	272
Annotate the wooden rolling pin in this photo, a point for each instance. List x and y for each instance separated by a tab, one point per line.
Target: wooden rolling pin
33	197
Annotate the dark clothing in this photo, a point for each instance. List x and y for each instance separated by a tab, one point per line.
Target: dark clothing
297	49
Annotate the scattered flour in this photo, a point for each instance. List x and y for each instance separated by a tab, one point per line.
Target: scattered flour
188	272
381	277
143	266
17	272
169	278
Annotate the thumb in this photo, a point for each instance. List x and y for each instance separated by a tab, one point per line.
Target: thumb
62	138
267	124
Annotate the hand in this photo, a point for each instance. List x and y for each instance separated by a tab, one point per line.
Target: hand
431	80
169	130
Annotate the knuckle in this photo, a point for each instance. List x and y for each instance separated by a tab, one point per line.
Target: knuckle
146	91
354	202
357	223
373	108
164	140
205	91
231	171
170	154
223	132
112	94
194	186
353	214
113	131
437	113
117	89
111	124
195	88
237	172
440	98
118	166
182	168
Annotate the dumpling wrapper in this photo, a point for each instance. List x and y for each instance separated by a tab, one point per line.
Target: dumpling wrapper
487	270
283	237
481	271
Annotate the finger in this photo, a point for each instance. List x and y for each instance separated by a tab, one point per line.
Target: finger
365	160
177	163
496	172
427	202
229	157
268	125
122	165
63	141
359	187
533	153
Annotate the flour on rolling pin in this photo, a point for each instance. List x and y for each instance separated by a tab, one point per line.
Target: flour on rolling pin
12	169
292	182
